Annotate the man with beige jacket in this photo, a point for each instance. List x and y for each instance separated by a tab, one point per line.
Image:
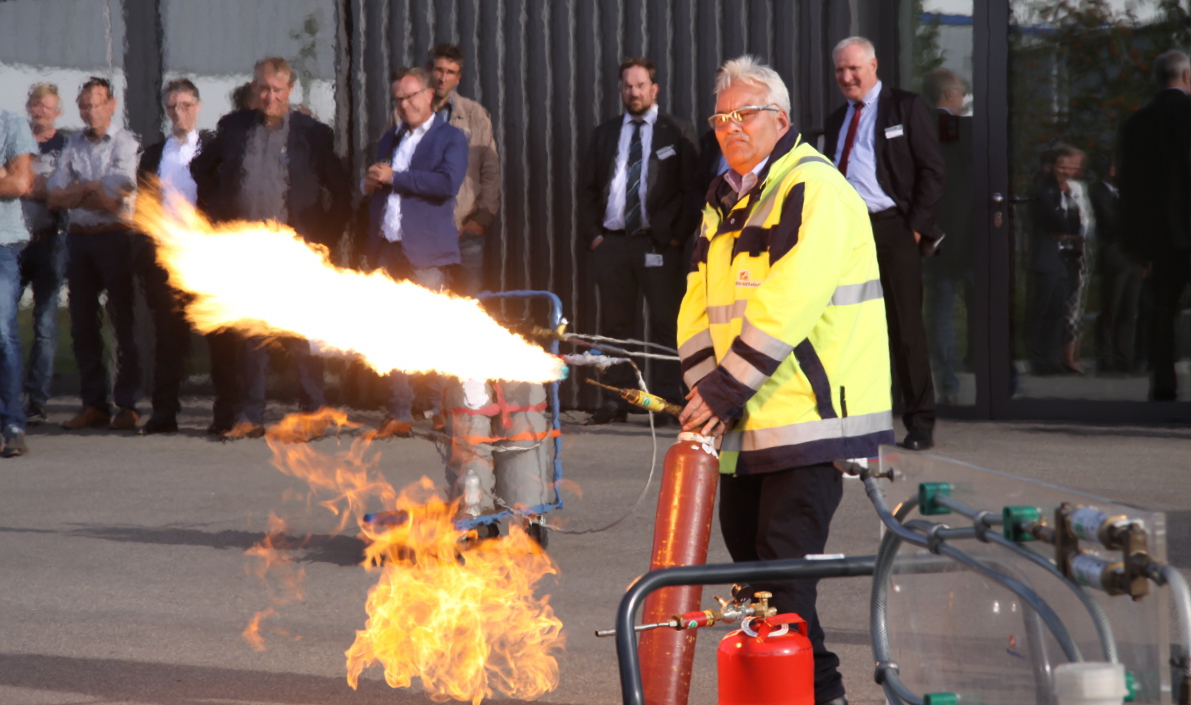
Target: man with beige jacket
478	199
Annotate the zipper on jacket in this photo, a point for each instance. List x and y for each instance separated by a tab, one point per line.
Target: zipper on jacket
843	402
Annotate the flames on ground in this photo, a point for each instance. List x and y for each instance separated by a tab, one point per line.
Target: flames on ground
457	613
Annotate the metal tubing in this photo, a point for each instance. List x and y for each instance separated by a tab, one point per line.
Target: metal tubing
1056	626
716	574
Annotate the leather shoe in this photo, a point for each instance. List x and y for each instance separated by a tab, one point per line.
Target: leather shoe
159	424
124	420
841	700
89	417
392	427
245	429
219	428
917	439
608	413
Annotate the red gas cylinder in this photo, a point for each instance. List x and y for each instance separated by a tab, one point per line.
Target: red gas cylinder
767	662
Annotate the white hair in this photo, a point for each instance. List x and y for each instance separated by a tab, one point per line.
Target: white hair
750	71
870	51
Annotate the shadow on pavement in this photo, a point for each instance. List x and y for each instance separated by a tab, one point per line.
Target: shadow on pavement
335	549
171	684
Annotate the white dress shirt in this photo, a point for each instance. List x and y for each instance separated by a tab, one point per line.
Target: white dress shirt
862	162
174	171
614	212
391	229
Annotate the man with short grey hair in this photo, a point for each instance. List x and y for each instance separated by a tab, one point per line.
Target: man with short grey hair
1155	180
270	163
885	142
95	181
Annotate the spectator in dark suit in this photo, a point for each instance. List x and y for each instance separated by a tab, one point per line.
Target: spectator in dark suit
168	161
1155	160
885	142
1054	239
635	217
949	275
1121	277
420	164
269	164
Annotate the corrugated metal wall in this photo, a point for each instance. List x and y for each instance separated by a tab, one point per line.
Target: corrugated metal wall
546	71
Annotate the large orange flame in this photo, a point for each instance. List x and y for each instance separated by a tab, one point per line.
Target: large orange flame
265	280
459	614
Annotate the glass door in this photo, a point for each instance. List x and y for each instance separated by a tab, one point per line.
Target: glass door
1077	335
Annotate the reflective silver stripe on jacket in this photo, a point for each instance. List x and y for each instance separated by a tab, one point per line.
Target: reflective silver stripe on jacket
763	342
698	372
726	312
847	294
743	371
695	343
808	431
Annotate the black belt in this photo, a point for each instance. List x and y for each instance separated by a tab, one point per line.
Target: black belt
885	214
643	232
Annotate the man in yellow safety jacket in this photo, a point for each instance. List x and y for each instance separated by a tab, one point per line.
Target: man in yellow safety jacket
783	338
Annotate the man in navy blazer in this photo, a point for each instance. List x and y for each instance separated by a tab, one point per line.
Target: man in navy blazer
420	165
269	163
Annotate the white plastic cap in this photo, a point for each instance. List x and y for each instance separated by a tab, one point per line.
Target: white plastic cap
1090	681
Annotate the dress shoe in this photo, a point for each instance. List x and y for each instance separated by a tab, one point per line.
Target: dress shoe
125	420
159	424
35	413
89	417
917	439
608	413
246	429
14	443
841	700
438	422
392	427
219	428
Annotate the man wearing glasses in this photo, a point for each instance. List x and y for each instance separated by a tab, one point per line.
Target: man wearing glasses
637	178
783	340
420	164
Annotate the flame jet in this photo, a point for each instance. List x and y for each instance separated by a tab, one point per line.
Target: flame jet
264	280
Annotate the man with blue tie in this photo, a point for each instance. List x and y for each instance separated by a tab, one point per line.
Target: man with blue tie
420	164
889	152
634	195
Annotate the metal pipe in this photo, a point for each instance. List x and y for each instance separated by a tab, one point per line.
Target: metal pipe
716	574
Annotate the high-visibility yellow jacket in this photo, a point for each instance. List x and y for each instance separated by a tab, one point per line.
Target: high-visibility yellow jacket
783	328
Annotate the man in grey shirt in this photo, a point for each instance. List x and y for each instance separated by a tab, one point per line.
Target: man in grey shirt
95	182
17	148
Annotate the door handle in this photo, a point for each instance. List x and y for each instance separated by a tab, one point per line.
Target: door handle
998	199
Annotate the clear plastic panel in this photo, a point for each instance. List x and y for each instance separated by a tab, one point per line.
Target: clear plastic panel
954	631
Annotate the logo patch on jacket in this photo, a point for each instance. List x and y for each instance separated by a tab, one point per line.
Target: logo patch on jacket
745	279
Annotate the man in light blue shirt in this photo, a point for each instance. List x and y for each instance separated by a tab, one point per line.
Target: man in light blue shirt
17	149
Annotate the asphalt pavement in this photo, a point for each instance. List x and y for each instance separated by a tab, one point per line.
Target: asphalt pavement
123	577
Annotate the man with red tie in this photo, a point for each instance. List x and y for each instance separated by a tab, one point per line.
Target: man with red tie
884	141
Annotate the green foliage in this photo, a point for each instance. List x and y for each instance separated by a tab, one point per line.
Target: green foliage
927	56
303	64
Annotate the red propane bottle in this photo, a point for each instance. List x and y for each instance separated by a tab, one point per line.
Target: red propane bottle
767	662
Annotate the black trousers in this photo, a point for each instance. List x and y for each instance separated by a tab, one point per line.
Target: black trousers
1116	324
618	265
225	347
901	280
171	331
787	514
1048	319
1170	277
101	262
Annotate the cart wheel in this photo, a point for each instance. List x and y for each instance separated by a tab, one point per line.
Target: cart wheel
538	532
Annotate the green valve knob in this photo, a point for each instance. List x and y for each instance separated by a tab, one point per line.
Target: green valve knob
1014	517
940	699
1131	687
927	491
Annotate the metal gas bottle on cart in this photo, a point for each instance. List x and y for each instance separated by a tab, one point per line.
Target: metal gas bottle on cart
767	662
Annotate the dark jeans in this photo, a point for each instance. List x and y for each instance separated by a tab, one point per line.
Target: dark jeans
171	331
101	262
901	280
390	256
254	370
12	415
469	275
43	266
1170	277
225	346
618	266
948	288
786	514
1048	319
